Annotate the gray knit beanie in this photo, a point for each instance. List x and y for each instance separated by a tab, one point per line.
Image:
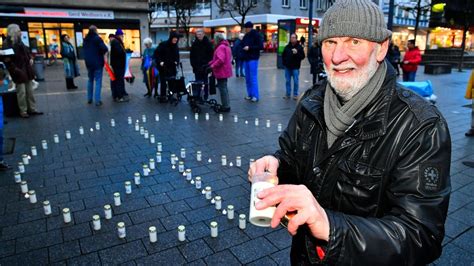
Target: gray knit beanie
354	18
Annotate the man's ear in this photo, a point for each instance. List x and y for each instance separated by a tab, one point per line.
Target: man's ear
383	50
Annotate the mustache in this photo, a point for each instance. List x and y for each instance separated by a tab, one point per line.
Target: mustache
342	67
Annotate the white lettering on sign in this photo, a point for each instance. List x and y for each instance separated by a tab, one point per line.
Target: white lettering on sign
62	13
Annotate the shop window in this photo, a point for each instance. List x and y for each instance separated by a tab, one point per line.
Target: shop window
303	4
285	3
51	25
67	25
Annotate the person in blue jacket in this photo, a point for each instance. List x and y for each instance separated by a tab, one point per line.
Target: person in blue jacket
237	53
252	43
94	51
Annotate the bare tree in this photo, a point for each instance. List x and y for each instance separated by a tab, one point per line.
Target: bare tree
236	8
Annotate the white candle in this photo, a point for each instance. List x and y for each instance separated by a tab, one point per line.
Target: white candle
152	233
144	118
261	182
238	161
256	122
173	158
68	134
107	212
181	167
230	212
17	176
221	117
136	178
152	139
21	168
189	174
214	230
56	138
159	147
25	159
181	233
208	193
66	215
142	131
196	116
251	161
137	126
81	131
32	196
207	116
24	187
268	123
47	207
97	126
152	164
128	187
236	119
224	160
242	221
157	117
129	120
218	200
34	151
146	134
146	170
158	157
199	156
44	144
96	222
170	116
117	200
280	127
183	153
198	182
121	230
112	122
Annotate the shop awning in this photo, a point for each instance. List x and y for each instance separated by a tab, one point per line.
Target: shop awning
256	19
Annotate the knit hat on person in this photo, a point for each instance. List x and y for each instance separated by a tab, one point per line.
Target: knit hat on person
174	34
354	18
248	24
118	32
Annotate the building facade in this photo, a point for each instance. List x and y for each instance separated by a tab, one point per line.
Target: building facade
44	21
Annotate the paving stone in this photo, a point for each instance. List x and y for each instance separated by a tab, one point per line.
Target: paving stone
195	250
140	231
34	257
158	199
453	255
172	222
76	231
7	248
100	241
122	253
67	187
36	241
183	193
282	257
226	239
247	252
129	205
263	261
222	258
201	214
177	207
87	259
64	251
464	215
83	194
166	257
25	229
148	214
464	241
280	238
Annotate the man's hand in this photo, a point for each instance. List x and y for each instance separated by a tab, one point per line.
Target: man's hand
295	198
267	163
246	48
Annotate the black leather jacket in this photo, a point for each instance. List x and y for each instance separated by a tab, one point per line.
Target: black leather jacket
385	184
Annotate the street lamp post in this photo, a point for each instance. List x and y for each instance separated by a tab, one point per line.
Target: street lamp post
310	25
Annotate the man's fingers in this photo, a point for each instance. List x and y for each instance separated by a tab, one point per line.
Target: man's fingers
299	219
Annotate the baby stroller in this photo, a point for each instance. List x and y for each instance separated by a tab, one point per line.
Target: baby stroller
176	86
198	92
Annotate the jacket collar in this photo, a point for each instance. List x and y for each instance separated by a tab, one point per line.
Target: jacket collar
370	123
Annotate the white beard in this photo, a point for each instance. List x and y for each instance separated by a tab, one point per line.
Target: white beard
346	88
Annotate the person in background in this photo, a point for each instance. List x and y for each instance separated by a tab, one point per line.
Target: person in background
71	68
94	53
166	57
117	62
237	53
252	44
201	54
21	72
302	41
221	65
316	61
363	165
3	75
394	56
148	69
410	62
292	56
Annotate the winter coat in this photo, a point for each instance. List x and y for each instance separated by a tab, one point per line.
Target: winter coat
18	65
384	184
169	54
221	63
94	51
237	51
147	58
290	60
117	55
201	54
255	43
315	59
413	56
71	68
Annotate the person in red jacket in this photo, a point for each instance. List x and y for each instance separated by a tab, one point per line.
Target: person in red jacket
411	61
221	65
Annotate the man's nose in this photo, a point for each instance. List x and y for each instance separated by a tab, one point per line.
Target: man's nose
339	55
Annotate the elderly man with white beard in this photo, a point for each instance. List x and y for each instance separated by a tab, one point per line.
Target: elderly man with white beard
363	165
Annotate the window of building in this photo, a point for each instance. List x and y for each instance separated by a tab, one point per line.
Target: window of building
254	2
285	3
303	4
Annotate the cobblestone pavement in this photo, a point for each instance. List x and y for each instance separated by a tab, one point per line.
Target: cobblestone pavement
83	173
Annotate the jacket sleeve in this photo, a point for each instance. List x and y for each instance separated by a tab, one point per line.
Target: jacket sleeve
219	60
301	54
284	56
192	56
416	59
417	194
102	47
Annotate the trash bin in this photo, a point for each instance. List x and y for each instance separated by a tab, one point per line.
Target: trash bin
38	66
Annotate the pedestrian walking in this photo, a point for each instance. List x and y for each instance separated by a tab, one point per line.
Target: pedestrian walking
117	62
221	65
394	56
316	61
363	165
150	77
71	68
19	66
167	58
292	56
252	43
94	52
201	54
411	60
238	54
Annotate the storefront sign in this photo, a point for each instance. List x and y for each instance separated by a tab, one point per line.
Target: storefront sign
305	21
62	13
